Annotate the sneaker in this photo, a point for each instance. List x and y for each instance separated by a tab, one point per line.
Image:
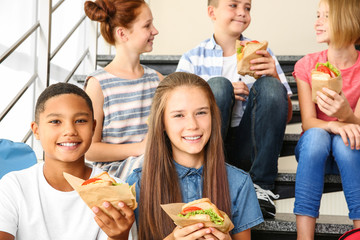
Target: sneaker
265	198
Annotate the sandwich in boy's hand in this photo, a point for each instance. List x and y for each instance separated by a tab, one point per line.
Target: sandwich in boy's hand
325	75
245	52
198	211
101	188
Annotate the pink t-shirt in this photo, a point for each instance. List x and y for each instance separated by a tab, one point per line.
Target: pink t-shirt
350	76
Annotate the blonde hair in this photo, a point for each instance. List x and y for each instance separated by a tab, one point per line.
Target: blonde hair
344	22
213	3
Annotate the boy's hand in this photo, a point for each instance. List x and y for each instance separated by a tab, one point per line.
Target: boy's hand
241	91
264	65
118	225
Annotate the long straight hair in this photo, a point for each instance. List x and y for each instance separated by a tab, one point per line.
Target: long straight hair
159	181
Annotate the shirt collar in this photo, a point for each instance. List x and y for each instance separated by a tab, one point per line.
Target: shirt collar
184	171
212	43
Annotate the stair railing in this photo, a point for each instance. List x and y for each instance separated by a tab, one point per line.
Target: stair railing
41	77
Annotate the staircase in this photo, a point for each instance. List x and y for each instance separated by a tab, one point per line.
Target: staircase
284	225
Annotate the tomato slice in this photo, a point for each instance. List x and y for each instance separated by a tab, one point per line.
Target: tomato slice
189	209
90	181
322	68
254	41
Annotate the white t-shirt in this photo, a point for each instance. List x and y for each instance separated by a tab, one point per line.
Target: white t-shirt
32	209
229	71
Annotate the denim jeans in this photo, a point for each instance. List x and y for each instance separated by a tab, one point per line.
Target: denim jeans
315	149
255	144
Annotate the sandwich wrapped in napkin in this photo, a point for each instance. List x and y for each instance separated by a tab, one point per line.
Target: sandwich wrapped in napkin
325	75
101	188
245	52
198	211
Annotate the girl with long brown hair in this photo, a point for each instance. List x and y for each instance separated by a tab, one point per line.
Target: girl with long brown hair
184	161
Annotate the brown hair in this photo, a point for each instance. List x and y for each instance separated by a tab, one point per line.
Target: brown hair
344	22
213	3
159	184
112	14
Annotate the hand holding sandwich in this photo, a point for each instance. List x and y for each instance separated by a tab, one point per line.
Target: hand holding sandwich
116	226
334	104
198	231
264	65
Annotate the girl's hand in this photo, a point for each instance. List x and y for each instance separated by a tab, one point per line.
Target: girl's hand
219	235
264	65
241	90
118	225
192	232
348	132
334	106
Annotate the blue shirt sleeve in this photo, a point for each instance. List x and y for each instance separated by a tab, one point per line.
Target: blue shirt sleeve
245	211
135	177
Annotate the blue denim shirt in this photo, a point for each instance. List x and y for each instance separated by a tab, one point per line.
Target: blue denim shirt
245	210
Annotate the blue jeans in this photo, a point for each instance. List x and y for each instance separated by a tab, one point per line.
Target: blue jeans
314	151
255	144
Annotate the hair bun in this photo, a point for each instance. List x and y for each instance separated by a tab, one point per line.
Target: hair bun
100	10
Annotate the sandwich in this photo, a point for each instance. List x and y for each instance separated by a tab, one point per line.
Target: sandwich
198	211
202	209
101	188
245	52
325	75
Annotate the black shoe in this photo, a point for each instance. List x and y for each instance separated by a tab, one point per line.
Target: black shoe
265	198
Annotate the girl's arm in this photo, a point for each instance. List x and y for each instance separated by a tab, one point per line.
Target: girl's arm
161	77
350	133
307	107
106	152
244	235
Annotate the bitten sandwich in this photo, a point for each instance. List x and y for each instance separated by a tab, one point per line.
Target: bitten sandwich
325	75
245	52
202	209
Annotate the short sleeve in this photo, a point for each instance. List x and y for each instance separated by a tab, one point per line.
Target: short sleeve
302	70
8	204
135	178
185	64
246	211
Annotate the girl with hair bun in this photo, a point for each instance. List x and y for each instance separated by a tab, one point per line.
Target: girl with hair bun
122	92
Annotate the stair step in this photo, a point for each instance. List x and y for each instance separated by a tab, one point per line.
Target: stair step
285	184
284	227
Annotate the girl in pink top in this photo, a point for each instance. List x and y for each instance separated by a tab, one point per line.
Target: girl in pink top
332	126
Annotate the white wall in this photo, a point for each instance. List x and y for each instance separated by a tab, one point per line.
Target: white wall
286	24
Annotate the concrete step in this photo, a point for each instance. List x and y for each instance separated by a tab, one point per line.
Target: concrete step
284	227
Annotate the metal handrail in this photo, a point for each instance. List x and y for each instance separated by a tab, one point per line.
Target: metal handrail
19	42
57	5
17	97
67	37
77	65
27	136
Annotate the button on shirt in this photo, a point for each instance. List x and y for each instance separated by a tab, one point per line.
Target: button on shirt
245	210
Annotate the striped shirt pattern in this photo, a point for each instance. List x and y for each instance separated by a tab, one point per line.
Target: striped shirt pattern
127	104
206	60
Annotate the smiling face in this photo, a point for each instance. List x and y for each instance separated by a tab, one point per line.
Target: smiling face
231	17
65	128
187	120
142	33
322	23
